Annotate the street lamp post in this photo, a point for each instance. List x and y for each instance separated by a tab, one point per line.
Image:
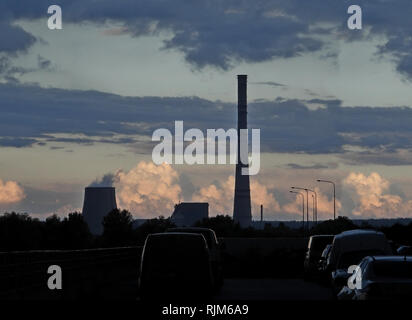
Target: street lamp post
313	208
307	204
303	208
315	215
334	196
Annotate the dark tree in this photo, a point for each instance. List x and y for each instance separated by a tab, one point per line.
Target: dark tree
334	226
76	232
117	228
151	226
53	233
224	226
19	232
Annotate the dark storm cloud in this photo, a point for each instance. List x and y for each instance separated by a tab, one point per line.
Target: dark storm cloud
224	33
33	115
16	142
269	83
43	63
9	72
207	32
14	39
378	157
314	166
30	112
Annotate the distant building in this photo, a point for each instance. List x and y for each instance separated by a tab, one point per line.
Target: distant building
188	213
98	202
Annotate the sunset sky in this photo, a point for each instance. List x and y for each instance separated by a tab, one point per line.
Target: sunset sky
79	105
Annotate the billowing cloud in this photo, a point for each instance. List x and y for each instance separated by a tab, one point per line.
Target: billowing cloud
10	192
107	180
219	195
148	190
373	199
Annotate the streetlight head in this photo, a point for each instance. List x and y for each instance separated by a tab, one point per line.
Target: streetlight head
293	187
318	180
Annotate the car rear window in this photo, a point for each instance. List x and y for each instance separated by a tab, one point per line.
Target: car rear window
392	269
175	241
318	244
354	257
208	235
176	251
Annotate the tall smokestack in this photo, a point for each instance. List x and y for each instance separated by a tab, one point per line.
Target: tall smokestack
98	202
261	213
241	209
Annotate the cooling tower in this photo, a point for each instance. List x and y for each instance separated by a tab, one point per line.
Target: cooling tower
242	212
98	202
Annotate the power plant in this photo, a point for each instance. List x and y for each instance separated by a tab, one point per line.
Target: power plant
188	213
98	202
242	212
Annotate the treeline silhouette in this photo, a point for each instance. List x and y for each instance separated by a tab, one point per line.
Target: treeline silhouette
20	232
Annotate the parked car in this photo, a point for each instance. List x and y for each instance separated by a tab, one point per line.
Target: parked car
322	263
316	245
214	249
404	251
348	248
381	277
175	265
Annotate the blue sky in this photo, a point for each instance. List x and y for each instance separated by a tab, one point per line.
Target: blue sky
82	102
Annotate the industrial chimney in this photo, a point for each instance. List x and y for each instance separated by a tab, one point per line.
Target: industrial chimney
242	208
98	202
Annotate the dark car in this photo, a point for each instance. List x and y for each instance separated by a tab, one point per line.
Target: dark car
322	263
175	265
350	247
313	254
404	251
214	249
380	277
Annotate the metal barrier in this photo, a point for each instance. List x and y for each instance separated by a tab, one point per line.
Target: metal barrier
84	272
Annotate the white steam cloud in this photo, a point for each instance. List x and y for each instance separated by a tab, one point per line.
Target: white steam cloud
148	190
220	197
373	201
10	192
